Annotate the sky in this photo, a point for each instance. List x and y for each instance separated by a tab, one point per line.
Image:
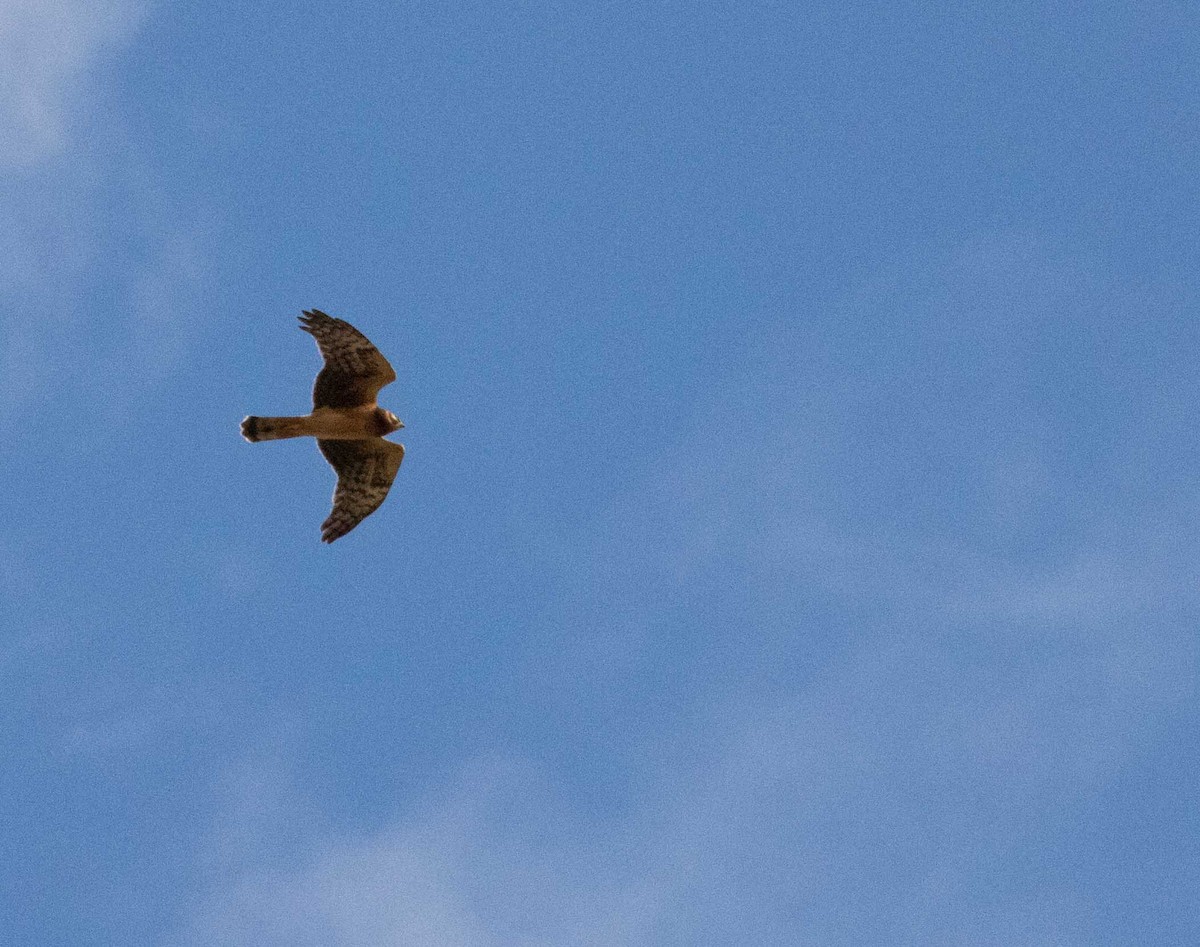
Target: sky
797	541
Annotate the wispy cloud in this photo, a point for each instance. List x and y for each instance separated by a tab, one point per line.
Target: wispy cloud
48	51
880	805
84	227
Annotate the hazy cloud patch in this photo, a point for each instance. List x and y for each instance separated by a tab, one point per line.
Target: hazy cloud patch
47	49
86	224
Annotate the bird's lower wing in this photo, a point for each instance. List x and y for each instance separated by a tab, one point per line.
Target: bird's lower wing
365	472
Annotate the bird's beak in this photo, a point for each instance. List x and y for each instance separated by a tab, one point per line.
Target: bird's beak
399	424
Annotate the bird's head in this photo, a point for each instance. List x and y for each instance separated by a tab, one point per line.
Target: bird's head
387	421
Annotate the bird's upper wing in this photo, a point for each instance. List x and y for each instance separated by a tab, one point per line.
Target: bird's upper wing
354	369
365	472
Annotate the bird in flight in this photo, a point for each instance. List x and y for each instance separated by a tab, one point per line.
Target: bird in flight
347	423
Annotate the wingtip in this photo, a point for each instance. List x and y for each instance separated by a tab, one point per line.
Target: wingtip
331	531
311	318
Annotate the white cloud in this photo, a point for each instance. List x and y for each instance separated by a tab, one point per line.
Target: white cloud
85	227
871	809
388	891
47	50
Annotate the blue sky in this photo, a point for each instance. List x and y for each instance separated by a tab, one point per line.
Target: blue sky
797	540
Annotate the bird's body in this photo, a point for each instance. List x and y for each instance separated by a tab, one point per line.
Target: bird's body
346	421
330	424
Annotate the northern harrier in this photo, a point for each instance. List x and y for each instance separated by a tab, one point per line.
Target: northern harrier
347	423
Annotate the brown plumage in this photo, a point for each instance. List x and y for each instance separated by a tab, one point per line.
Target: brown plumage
347	422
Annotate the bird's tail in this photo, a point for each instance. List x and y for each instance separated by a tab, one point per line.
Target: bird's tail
272	429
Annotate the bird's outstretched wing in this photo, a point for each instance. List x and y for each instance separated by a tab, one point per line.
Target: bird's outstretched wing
354	369
365	471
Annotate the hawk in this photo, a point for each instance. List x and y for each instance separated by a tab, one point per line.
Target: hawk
347	423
